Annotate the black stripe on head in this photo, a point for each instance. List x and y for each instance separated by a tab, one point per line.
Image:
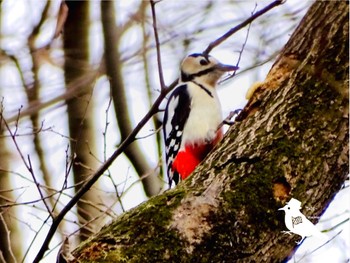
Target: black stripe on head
185	77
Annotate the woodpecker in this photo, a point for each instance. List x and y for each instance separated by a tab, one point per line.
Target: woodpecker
193	115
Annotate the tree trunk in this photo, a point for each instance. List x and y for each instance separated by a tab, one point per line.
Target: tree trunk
10	233
291	141
80	113
151	183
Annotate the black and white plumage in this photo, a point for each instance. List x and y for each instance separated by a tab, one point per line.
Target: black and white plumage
179	104
192	115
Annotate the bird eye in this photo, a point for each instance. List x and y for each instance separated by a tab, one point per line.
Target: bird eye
203	62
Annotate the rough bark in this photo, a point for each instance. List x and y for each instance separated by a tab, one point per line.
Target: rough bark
291	141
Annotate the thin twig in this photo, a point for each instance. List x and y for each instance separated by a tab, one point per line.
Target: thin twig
8	238
147	74
16	203
34	238
74	89
160	68
27	165
233	30
153	132
105	155
240	52
126	190
68	166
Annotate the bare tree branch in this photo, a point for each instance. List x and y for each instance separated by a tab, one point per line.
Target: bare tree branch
230	76
74	88
139	160
159	59
61	19
233	30
147	74
8	240
28	165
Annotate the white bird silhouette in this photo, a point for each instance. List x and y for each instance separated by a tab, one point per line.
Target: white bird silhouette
298	224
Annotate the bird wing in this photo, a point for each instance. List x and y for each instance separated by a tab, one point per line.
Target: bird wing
175	118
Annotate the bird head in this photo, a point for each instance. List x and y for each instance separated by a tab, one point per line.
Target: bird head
203	68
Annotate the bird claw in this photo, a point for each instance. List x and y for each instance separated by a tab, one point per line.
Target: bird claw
227	120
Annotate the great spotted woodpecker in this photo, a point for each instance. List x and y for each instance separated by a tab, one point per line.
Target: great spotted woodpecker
193	115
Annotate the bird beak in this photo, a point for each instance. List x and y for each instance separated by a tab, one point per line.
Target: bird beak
281	208
223	67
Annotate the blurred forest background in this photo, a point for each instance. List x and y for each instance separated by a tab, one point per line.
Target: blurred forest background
71	92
